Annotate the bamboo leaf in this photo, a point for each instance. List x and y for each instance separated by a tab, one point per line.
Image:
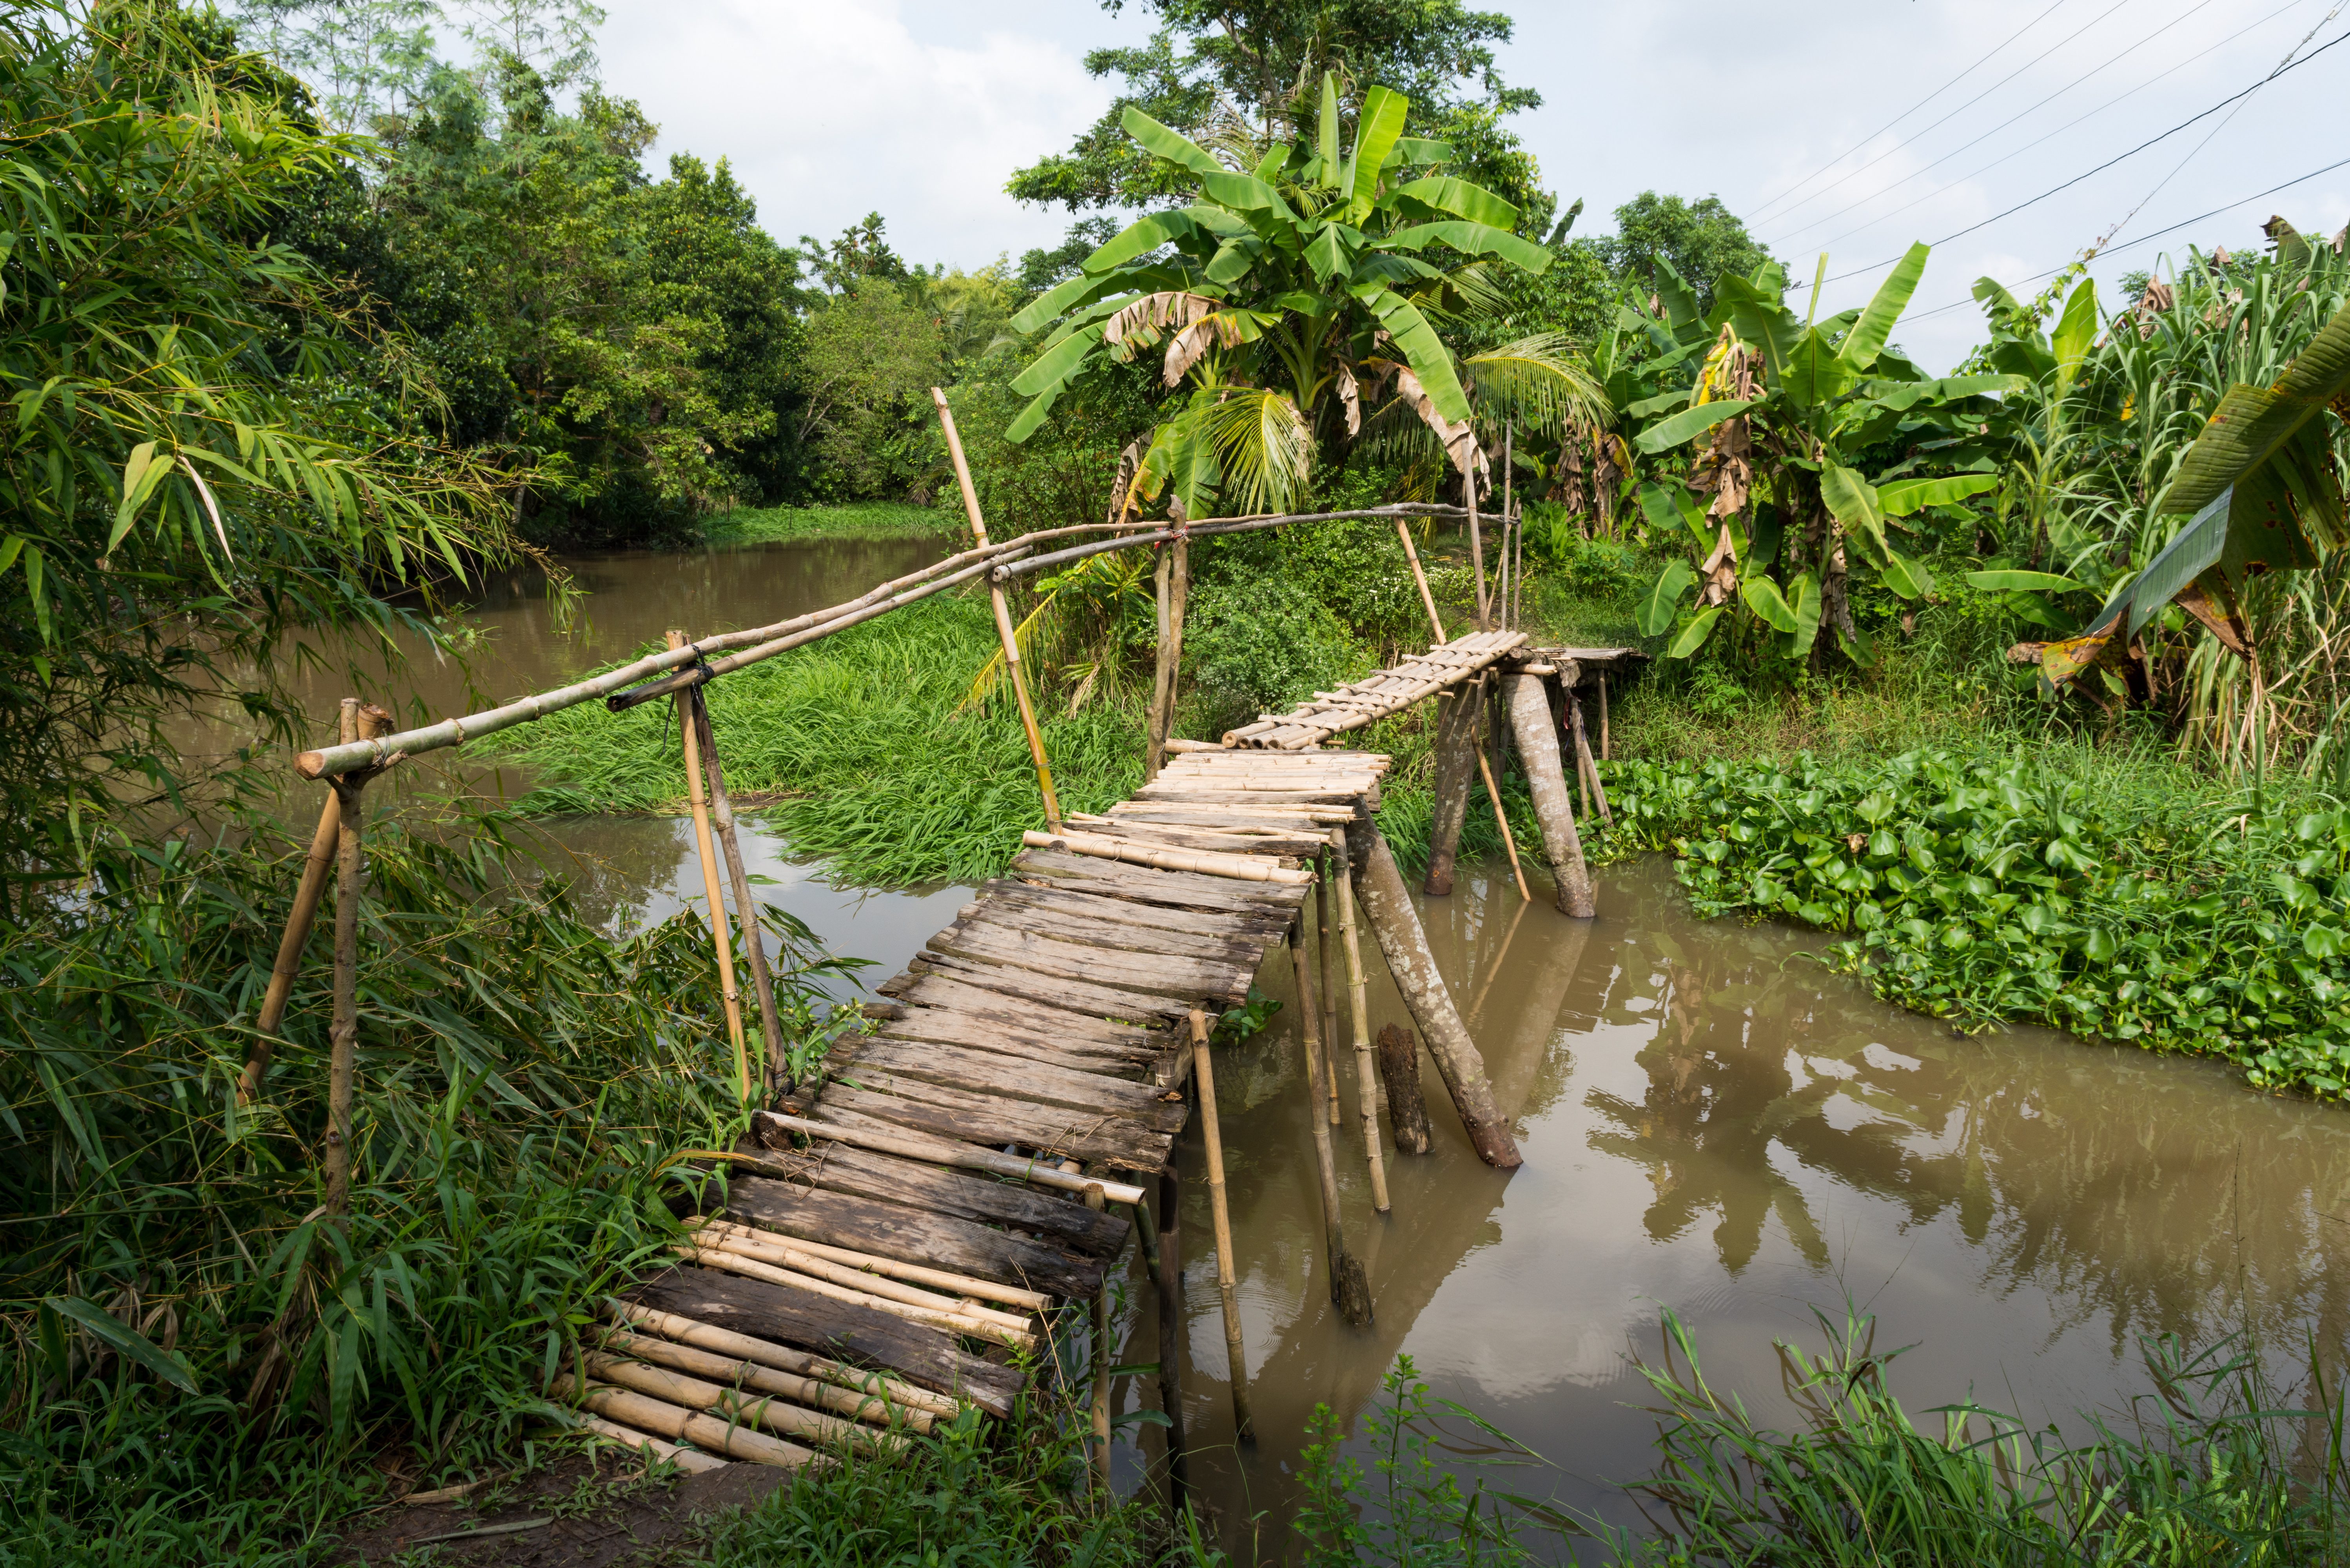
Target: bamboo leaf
124	1340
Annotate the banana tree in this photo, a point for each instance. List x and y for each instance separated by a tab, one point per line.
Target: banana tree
1788	487
1286	295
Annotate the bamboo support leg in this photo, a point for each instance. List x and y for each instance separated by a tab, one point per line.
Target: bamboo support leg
343	1034
1003	631
1605	754
1403	532
1477	551
1405	946
1170	1330
1590	768
746	909
1553	807
323	844
1367	1092
1227	1278
1102	1363
1350	1290
1174	589
1324	945
707	852
1501	821
1456	747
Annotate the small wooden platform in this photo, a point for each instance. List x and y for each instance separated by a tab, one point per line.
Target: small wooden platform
1378	696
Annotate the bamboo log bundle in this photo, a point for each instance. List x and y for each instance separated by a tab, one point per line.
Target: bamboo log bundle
712	1434
727	1373
911	1273
860	1389
786	1421
1208	862
790	1252
938	1151
690	1461
957	1318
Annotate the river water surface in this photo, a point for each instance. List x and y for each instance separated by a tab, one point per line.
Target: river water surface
1711	1122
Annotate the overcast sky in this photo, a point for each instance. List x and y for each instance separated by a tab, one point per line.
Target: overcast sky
1849	126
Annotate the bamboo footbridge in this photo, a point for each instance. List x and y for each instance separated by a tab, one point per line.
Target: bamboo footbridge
934	1220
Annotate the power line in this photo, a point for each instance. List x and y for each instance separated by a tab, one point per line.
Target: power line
1756	215
2158	233
2289	63
1977	98
2017	153
2020	114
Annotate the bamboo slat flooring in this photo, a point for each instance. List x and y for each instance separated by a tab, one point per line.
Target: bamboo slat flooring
1045	1022
1373	698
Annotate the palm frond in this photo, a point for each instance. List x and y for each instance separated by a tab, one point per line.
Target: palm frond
1265	445
1542	384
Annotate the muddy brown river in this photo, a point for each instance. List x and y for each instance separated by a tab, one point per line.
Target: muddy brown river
1711	1122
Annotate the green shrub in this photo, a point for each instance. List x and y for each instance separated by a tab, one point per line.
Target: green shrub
1263	645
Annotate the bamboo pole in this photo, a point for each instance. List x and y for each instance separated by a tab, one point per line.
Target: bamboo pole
1367	1093
679	1424
690	1461
1170	1330
1413	965
656	1366
941	1151
1477	548
746	909
1604	753
695	1394
1350	1290
1590	768
1509	516
1327	942
911	1273
707	853
785	1252
737	1372
1009	639
1172	586
1554	808
1099	1407
1227	1280
766	1353
1502	819
950	1322
343	1032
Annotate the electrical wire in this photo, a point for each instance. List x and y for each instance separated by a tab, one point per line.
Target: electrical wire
1976	99
1789	238
2011	157
1757	214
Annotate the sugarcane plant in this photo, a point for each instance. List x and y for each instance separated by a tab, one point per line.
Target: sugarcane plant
1803	437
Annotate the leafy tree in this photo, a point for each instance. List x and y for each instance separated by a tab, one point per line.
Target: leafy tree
369	57
863	383
1702	240
1227	72
189	472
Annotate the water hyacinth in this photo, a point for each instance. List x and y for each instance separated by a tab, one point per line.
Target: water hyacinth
1989	891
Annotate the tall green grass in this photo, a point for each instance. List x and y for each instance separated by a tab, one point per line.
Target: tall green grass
852	519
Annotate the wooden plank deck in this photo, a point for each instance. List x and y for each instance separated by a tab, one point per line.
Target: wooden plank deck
1046	1023
1377	696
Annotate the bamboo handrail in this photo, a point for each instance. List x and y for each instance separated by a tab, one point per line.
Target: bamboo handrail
1401	510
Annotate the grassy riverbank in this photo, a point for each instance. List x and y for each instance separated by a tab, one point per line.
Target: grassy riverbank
852	519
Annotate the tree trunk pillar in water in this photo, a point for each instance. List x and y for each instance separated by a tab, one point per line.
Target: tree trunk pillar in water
1394	922
1399	1071
1553	805
1456	770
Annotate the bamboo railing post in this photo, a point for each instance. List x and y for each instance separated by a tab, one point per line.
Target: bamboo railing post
1590	768
1509	518
1350	1290
1100	1406
1367	1092
1477	548
746	909
1405	945
1403	532
1004	628
1493	793
708	854
1227	1277
1172	582
1604	753
343	1034
1554	808
289	947
1170	1329
1327	937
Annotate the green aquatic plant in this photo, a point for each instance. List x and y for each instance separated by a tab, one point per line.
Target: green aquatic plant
1988	890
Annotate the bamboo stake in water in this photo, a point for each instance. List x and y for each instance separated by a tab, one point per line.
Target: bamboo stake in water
1100	1409
1323	948
1350	1290
1227	1281
1367	1093
1170	1330
708	854
1002	616
746	910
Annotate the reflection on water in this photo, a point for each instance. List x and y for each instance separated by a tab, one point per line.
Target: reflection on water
1712	1121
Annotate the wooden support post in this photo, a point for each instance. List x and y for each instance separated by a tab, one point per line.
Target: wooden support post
1546	777
374	724
708	854
1403	532
1170	1329
746	910
1350	1290
1583	760
1173	586
1227	1278
1397	926
1367	1093
1399	1071
1477	548
1605	754
1508	520
1456	751
1003	631
1102	1363
343	1032
1323	947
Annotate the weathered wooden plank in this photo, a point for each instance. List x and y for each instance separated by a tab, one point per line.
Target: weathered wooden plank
1179	890
987	1119
1255	925
1181	978
1057	1219
942	1026
1182	835
1019	985
1219	948
1221	795
912	1235
842	1330
988	1073
1054	1020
